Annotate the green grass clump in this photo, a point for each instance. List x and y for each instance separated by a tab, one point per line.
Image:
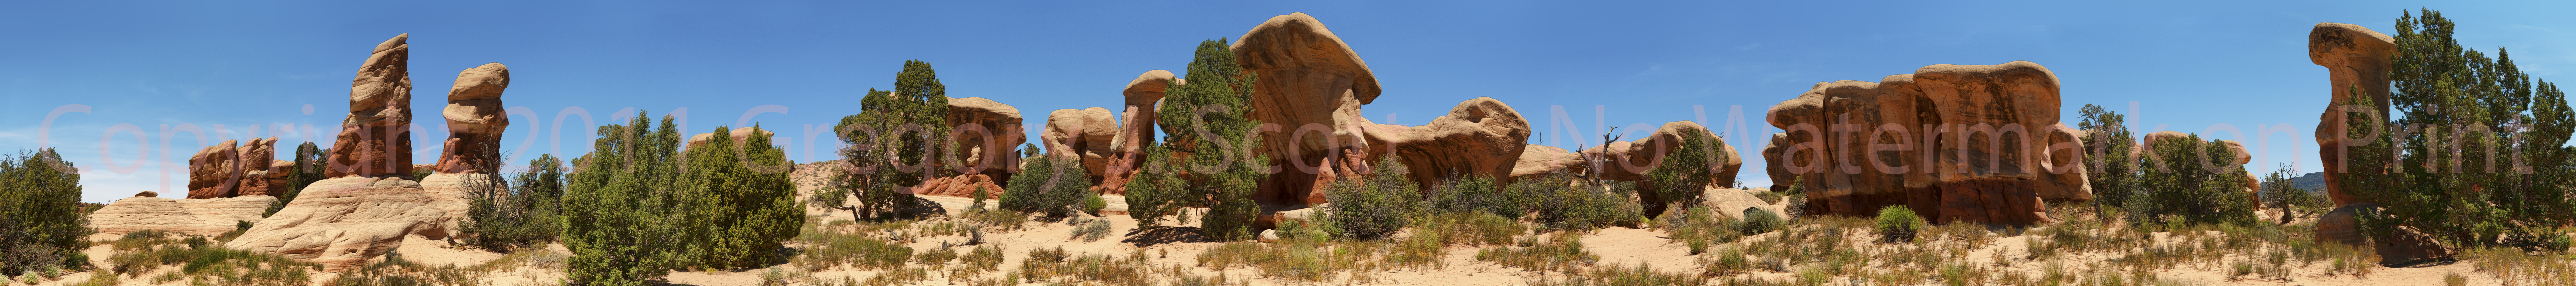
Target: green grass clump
828	248
1897	224
1562	255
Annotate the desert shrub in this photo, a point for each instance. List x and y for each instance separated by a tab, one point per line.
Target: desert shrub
308	169
1562	202
1563	253
40	211
827	249
1759	221
136	255
520	219
1092	230
1683	173
1048	185
2191	194
1093	204
1375	207
1473	193
1897	223
1473	228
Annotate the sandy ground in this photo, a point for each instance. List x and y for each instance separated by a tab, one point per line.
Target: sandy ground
1615	246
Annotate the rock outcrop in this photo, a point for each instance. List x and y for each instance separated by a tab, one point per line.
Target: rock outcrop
234	169
342	222
1480	137
1630	160
1975	143
1538	160
369	200
1082	134
475	119
739	135
1143	97
188	216
1777	165
992	153
2357	60
1308	76
375	140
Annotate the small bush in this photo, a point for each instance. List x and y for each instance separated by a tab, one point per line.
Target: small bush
1046	185
1759	221
1376	207
1897	223
1092	230
1093	204
1473	193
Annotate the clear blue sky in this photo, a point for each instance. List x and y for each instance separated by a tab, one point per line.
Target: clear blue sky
2187	65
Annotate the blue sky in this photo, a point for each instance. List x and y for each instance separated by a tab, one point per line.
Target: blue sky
157	64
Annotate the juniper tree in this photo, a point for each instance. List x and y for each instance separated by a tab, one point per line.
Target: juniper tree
41	217
615	208
2477	146
1207	120
894	139
733	212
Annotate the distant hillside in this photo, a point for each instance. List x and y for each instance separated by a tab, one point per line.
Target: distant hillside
2313	182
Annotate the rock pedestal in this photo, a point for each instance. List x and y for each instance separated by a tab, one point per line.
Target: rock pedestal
376	138
475	119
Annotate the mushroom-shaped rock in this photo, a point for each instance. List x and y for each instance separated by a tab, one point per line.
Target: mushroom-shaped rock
1308	77
375	140
1142	94
1480	137
475	120
342	222
2357	61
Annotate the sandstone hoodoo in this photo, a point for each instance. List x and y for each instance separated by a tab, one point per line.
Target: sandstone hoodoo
2357	60
234	169
369	202
1480	137
1136	129
1082	134
1307	76
375	140
475	119
1973	143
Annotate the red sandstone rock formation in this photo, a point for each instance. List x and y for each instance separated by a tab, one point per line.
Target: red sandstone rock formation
1143	97
475	120
1864	145
1479	137
1308	76
234	169
2357	59
1082	134
376	138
